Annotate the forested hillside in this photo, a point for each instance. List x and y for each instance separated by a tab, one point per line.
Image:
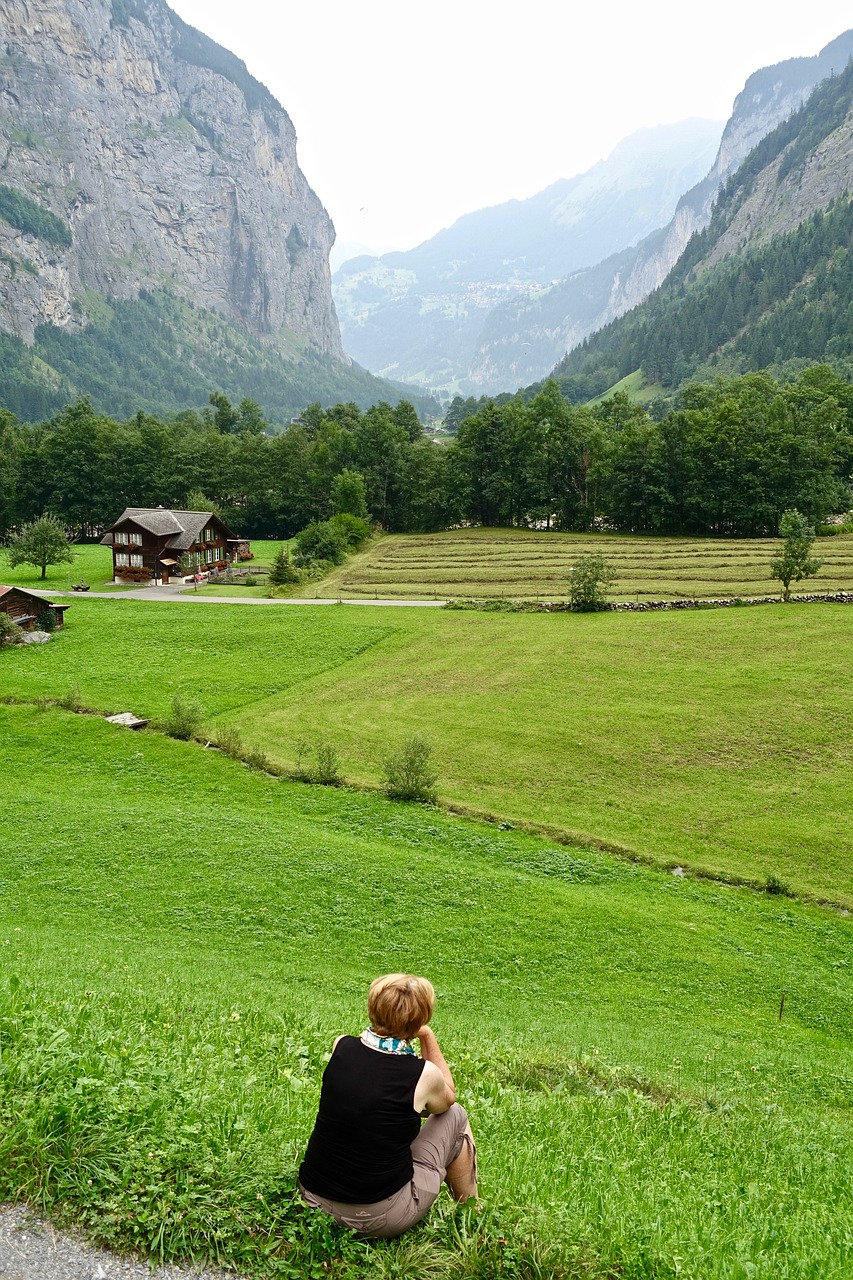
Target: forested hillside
729	458
768	284
158	353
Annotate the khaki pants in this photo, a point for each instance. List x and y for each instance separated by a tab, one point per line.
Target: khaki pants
437	1145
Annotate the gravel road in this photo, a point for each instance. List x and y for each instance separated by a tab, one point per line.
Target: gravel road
33	1249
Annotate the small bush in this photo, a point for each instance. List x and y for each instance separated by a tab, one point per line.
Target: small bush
255	758
10	632
228	740
70	699
184	719
318	762
408	773
776	886
591	578
46	621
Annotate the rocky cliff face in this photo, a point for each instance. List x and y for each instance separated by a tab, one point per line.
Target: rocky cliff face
169	165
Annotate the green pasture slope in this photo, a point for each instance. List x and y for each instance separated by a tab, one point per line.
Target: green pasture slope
181	937
717	740
529	564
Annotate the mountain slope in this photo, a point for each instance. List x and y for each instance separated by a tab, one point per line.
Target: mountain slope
419	314
522	333
770	278
139	157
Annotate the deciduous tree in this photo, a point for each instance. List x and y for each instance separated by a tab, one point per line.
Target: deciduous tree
40	543
795	560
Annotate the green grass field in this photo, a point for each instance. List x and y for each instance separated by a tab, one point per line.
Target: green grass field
529	564
180	939
719	740
93	563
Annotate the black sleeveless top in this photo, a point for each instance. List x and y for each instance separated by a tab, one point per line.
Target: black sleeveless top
359	1151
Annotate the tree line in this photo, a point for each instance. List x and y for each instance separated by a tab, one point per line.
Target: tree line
728	457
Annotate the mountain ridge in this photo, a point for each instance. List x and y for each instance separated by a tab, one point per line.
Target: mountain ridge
587	302
425	306
768	280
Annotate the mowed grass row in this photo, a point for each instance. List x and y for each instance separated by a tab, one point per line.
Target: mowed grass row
535	564
718	740
180	939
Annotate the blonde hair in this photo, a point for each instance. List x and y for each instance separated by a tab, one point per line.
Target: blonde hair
399	1004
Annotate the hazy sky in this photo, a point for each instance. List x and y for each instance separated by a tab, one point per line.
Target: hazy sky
409	115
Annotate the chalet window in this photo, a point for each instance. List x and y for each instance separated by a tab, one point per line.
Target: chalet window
135	539
120	539
208	536
122	559
136	561
211	555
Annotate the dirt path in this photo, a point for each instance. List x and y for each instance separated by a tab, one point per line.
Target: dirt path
33	1249
186	595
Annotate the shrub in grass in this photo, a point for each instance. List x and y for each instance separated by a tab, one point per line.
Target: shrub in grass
46	620
255	758
228	740
10	632
408	774
70	700
184	718
319	762
591	578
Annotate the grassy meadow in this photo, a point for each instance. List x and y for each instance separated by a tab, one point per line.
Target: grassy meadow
92	563
718	740
180	939
528	564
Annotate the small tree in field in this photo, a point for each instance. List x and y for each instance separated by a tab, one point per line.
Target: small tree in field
40	543
282	571
589	582
408	773
795	560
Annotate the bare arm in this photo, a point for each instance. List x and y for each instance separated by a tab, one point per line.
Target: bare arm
436	1091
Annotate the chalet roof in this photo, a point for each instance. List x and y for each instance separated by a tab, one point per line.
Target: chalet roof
184	526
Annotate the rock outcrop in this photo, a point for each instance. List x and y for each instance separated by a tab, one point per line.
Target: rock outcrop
168	164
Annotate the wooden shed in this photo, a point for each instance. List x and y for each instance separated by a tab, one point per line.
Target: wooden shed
25	607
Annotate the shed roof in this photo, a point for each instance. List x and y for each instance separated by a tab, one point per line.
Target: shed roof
31	595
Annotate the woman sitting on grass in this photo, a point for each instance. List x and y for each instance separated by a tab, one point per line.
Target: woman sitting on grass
368	1162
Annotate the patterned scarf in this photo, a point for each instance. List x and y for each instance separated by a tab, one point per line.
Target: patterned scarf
385	1044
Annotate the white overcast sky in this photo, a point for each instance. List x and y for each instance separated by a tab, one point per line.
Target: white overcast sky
409	115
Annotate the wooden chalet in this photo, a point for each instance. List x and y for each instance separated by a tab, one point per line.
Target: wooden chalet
158	540
25	607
